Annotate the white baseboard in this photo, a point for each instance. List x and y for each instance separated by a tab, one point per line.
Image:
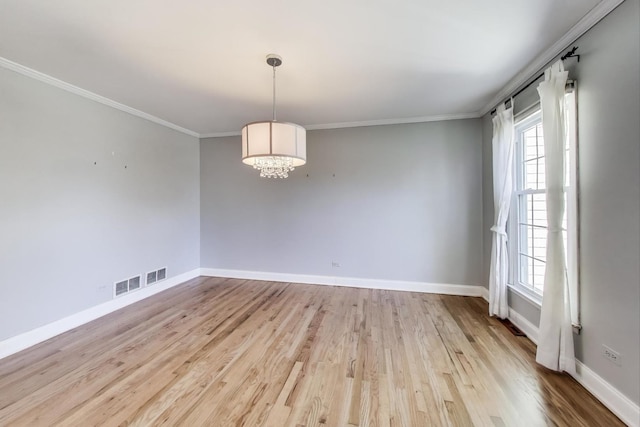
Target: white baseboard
353	282
529	329
618	403
484	293
612	398
35	336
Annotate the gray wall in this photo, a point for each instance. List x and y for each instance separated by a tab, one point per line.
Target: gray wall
608	76
69	228
399	202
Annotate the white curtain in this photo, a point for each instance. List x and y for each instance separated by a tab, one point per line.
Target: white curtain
503	147
555	340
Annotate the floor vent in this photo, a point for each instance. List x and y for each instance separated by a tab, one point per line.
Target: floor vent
512	328
156	276
124	286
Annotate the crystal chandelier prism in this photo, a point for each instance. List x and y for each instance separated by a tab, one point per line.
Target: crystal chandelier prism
274	148
274	166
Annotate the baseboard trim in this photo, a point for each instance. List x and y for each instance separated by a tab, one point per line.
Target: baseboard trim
35	336
611	397
353	282
484	293
618	403
529	329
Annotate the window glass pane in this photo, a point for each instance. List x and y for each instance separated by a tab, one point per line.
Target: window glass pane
526	264
537	275
533	161
534	177
537	207
535	244
532	273
533	209
538	243
532	240
532	138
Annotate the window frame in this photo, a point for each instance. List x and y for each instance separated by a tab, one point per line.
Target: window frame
529	118
514	232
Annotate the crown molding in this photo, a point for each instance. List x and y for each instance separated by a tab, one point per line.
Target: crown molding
594	16
382	122
219	134
45	78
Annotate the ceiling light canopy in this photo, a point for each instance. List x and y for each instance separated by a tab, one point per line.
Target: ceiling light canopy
274	148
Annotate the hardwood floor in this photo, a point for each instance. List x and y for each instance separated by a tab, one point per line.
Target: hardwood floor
224	352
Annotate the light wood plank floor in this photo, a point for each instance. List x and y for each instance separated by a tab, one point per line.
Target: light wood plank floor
223	352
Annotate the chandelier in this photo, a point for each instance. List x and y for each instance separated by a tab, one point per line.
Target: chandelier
274	148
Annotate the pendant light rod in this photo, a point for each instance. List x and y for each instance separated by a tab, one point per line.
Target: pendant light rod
275	61
274	93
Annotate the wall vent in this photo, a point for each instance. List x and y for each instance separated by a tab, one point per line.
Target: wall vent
134	283
152	277
124	286
156	276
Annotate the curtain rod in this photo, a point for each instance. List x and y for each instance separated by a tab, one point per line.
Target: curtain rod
570	54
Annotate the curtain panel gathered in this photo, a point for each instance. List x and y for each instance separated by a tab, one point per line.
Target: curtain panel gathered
503	149
555	339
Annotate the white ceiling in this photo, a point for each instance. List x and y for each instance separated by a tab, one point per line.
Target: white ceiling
201	64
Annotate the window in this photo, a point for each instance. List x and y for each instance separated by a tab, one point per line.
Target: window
527	226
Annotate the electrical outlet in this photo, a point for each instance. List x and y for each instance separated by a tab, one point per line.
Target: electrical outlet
611	355
335	264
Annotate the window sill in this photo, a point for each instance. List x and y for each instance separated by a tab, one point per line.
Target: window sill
529	295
